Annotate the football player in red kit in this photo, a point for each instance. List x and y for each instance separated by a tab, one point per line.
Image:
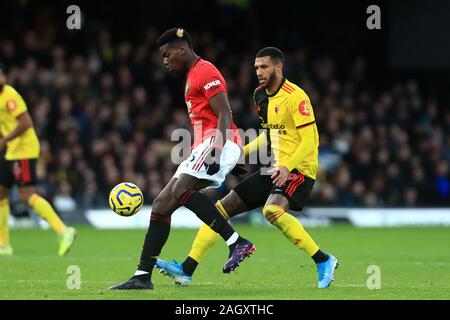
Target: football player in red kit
215	152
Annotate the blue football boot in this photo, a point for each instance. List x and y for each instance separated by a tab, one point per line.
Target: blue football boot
325	271
174	270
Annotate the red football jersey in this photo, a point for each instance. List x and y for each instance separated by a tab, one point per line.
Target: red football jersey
203	82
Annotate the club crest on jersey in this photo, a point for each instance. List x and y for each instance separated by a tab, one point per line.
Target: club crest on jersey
187	87
277	108
11	105
304	108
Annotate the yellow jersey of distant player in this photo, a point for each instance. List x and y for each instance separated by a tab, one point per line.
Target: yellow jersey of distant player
283	113
12	105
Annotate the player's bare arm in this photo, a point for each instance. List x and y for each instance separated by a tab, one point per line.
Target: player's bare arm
24	122
221	107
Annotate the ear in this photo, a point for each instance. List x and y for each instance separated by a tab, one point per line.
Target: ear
279	67
182	50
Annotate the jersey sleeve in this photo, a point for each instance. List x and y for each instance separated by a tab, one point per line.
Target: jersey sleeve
15	104
301	109
211	82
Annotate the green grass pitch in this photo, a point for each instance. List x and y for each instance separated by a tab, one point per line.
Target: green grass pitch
414	264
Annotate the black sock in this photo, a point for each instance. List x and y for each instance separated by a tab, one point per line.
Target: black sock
189	265
320	256
156	237
206	211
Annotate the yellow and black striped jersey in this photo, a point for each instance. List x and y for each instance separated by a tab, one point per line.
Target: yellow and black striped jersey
283	114
12	105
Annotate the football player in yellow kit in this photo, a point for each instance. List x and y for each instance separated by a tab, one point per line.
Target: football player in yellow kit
18	166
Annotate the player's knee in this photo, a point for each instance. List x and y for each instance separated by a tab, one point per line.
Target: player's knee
25	194
164	205
232	204
158	206
178	191
270	210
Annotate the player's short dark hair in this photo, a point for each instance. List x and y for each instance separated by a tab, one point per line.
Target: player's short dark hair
175	35
274	53
2	68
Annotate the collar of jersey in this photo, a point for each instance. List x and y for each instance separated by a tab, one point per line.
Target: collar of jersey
275	93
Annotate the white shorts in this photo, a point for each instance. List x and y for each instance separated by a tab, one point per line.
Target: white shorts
195	165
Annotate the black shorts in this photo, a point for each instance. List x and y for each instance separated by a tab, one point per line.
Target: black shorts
21	172
256	188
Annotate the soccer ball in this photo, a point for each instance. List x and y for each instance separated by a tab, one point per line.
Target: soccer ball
126	199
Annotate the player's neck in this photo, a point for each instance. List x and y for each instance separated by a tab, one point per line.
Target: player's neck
191	60
274	86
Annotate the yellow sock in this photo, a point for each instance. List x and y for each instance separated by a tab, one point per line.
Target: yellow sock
291	228
45	210
206	238
4	220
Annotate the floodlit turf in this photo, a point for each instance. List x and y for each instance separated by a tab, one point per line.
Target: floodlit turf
414	264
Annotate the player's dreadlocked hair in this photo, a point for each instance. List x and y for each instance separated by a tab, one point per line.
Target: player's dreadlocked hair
174	35
274	53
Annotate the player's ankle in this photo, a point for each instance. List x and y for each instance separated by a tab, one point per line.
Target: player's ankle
143	276
189	265
234	244
320	256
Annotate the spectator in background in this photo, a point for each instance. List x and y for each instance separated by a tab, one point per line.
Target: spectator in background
63	200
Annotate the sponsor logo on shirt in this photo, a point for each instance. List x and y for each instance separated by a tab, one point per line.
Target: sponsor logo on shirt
211	84
273	126
281	128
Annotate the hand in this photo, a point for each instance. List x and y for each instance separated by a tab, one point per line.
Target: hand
239	170
212	161
279	175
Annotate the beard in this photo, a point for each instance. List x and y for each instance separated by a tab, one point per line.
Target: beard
271	80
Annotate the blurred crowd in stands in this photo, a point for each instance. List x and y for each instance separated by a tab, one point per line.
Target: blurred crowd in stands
107	116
